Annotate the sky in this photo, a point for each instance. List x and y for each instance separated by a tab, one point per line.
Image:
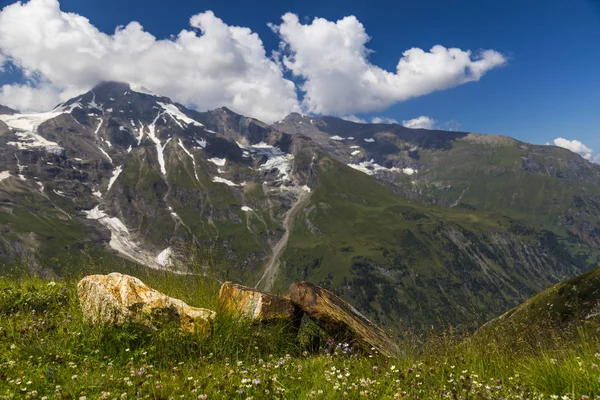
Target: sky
526	69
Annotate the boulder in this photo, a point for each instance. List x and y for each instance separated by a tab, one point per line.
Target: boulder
340	320
116	299
252	304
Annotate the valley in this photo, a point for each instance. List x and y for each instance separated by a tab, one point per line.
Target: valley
414	227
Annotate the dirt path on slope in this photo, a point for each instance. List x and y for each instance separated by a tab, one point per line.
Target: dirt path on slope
267	280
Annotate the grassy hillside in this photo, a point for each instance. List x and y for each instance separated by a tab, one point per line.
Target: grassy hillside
566	307
48	351
410	265
545	186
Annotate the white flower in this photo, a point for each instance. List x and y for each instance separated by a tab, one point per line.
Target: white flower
51	283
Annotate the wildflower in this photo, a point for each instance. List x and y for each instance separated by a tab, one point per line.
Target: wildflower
202	397
74	377
51	283
13	346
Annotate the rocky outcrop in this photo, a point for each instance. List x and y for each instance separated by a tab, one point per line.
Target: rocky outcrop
252	304
117	299
340	319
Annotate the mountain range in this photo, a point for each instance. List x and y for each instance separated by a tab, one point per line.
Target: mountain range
416	228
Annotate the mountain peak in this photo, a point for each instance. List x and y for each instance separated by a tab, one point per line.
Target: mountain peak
6	110
112	86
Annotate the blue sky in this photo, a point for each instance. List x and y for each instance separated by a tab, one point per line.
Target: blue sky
548	88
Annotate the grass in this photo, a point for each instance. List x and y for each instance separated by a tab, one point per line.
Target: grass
48	350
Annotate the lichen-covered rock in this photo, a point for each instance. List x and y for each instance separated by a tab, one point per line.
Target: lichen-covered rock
339	319
116	299
252	304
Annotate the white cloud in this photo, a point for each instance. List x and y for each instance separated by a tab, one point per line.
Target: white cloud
421	122
383	120
354	118
577	147
213	64
332	59
207	67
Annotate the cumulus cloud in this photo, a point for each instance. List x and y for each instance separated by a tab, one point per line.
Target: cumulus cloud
212	64
208	66
332	59
354	118
383	120
577	147
421	122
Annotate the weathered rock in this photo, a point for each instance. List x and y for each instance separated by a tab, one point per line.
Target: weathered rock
117	299
254	305
339	319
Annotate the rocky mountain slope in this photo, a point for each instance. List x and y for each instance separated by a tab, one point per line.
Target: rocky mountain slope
414	227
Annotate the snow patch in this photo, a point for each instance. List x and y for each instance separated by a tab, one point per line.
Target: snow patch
25	127
120	238
105	154
93	104
98	127
177	115
276	159
97	194
142	90
247	209
355	152
218	161
336	137
180	142
409	171
262	145
4	175
369	140
114	177
202	143
370	167
281	163
218	179
159	148
306	189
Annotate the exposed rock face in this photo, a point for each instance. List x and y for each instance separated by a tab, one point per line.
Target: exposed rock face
116	299
254	305
340	319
